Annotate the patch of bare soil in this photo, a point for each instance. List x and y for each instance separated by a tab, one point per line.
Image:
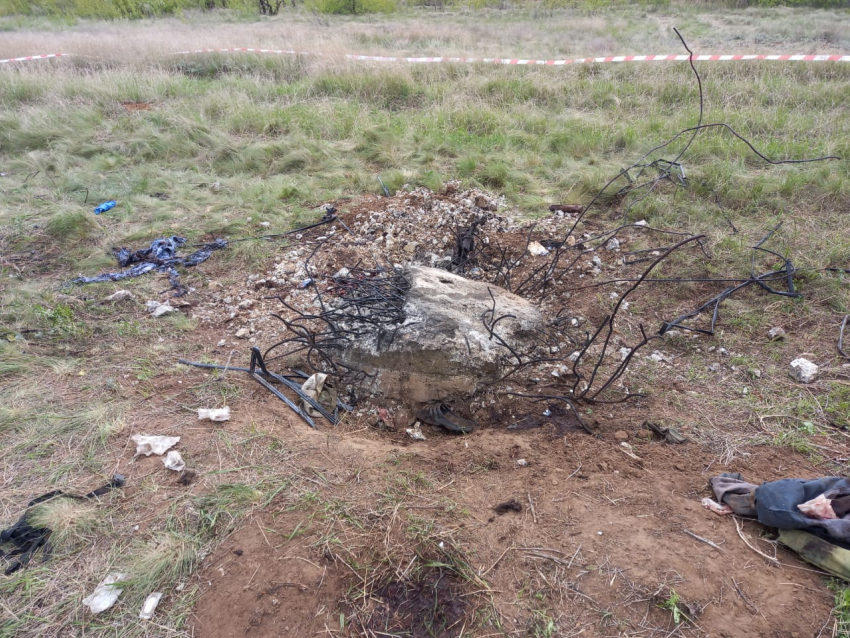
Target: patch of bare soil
598	547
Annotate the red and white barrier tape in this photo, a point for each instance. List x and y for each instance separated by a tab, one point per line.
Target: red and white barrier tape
508	61
37	57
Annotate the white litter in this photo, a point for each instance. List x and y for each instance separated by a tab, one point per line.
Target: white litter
148	445
106	593
149	605
318	388
536	248
415	432
173	461
158	309
214	414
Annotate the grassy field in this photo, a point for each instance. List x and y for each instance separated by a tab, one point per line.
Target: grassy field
234	141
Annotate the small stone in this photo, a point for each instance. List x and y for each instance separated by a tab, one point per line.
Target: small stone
410	247
645	435
242	333
244	305
714	367
484	203
342	272
222	343
597	261
624	353
522	462
776	334
613	244
621	435
642	222
804	370
265	224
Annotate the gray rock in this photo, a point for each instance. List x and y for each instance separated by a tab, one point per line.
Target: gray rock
804	370
443	347
776	334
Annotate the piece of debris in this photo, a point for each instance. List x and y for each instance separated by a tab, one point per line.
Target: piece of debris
415	432
149	605
536	249
214	414
319	388
717	508
804	370
28	539
508	506
242	333
386	419
624	353
442	415
148	445
186	478
522	462
119	295
173	461
158	309
106	593
484	203
613	244
629	451
160	257
796	506
105	206
669	434
221	343
776	334
565	208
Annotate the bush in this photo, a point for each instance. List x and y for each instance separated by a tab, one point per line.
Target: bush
351	6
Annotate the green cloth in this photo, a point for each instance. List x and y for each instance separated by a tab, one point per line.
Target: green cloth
818	552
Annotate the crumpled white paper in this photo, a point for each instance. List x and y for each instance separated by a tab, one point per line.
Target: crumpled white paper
173	461
148	445
149	605
106	593
318	388
215	414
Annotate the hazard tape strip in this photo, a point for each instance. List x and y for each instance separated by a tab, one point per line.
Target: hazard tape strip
505	61
521	62
37	57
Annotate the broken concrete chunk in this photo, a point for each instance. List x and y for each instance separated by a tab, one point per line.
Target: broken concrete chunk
106	593
443	345
148	445
804	370
119	295
215	414
537	249
149	605
173	461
